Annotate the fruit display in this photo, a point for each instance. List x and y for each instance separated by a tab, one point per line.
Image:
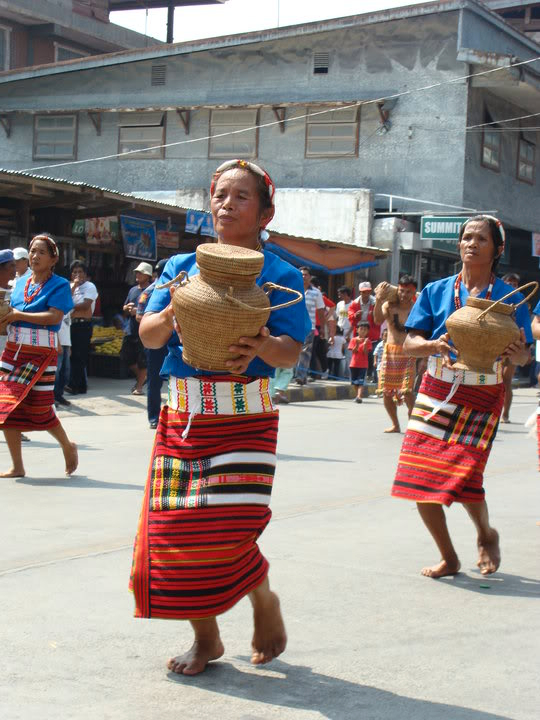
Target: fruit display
106	340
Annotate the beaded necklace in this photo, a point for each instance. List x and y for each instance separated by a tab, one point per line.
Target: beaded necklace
457	285
29	297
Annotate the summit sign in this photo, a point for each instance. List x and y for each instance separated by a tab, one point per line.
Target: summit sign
440	233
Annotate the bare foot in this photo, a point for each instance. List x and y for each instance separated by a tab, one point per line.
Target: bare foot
269	636
393	429
197	657
489	554
505	420
72	458
442	569
13	473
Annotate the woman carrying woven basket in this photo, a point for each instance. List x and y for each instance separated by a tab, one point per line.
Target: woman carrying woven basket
28	364
210	477
456	414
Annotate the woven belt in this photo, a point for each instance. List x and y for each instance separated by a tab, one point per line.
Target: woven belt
464	377
207	397
32	336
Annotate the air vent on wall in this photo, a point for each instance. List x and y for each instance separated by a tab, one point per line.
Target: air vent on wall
159	74
321	61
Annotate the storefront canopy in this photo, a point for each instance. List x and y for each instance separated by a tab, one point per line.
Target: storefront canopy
330	258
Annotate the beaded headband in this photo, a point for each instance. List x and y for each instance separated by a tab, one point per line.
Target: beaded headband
246	165
50	243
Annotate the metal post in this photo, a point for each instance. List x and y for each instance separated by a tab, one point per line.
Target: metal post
170	21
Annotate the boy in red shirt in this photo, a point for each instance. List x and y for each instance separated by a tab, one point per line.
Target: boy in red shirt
361	347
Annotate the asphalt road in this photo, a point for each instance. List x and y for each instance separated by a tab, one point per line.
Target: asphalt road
369	637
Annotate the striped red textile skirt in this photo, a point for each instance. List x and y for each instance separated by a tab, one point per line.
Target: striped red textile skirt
205	505
442	458
397	372
27	387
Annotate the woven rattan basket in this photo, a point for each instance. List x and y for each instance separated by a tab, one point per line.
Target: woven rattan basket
222	304
482	329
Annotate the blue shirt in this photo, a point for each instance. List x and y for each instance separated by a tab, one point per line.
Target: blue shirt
436	303
144	297
292	321
536	310
55	293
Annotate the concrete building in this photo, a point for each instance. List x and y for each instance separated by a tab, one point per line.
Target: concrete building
396	102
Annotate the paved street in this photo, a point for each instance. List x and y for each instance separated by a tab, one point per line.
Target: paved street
369	637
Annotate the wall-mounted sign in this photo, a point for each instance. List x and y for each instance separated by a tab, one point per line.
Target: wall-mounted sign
440	233
199	221
139	237
167	239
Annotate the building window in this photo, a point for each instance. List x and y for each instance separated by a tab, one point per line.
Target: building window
333	133
321	63
526	161
4	48
491	149
241	144
64	52
139	130
55	137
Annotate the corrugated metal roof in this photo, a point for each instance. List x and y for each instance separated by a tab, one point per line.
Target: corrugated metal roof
226	41
96	188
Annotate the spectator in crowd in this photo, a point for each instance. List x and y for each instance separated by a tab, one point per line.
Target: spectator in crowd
361	310
324	334
361	348
378	353
336	353
132	351
316	310
84	294
64	361
279	384
345	299
7	275
154	358
20	256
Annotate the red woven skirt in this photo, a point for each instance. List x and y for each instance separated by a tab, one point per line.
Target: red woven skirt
27	387
205	504
442	459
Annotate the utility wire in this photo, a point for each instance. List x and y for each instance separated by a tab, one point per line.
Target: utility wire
292	119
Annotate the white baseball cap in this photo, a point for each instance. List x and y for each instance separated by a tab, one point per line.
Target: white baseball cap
366	285
20	253
144	268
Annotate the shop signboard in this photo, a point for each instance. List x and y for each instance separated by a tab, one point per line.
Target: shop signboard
199	221
440	232
139	237
101	231
168	239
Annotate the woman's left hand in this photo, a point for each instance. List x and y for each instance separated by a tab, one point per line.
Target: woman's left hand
516	351
246	349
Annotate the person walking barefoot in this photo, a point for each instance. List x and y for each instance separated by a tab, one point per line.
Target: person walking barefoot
207	495
28	363
456	414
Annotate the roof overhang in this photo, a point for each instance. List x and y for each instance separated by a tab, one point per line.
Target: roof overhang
37	192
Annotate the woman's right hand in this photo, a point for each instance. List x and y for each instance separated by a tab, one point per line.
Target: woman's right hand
443	348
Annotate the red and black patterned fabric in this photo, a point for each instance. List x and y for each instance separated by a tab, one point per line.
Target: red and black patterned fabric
27	387
205	505
443	457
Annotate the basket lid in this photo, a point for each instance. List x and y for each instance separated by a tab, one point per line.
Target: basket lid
229	259
483	304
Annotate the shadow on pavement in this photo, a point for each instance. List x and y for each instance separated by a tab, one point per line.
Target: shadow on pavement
78	481
497	584
298	687
283	457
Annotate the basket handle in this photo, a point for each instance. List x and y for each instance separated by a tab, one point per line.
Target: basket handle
271	286
181	279
498	302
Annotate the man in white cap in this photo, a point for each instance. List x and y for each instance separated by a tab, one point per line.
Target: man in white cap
132	351
20	255
361	310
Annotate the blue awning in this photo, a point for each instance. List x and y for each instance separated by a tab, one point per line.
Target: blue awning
297	261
